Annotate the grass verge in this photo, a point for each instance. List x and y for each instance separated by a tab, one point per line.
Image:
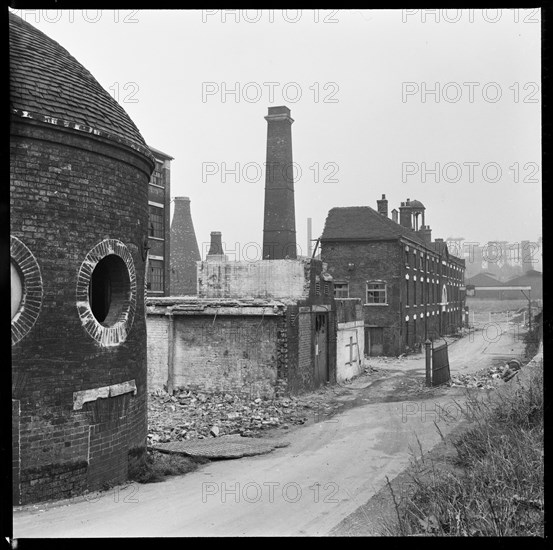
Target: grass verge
494	483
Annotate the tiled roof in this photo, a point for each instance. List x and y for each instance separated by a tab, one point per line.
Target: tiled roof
364	223
45	79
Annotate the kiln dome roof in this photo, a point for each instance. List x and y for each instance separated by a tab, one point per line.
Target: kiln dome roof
45	79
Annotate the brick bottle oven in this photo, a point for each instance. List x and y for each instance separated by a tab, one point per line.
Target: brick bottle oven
79	172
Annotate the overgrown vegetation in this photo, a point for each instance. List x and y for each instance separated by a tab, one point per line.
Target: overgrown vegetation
156	466
533	337
494	487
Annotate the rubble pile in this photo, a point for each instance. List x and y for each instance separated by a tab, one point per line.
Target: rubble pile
190	414
488	378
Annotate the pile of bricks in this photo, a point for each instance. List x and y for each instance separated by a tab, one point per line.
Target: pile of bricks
190	414
487	378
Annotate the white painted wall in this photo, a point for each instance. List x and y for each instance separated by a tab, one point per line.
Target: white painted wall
356	331
261	279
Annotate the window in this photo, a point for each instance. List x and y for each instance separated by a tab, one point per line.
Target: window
415	293
407	258
341	290
376	293
108	289
155	276
407	292
16	289
157	222
157	175
422	291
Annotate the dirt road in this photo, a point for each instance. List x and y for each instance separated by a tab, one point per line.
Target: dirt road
330	468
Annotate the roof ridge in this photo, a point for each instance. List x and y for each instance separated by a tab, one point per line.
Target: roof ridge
392	228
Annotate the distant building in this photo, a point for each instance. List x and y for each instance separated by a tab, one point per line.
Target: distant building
158	281
410	286
484	279
184	250
531	278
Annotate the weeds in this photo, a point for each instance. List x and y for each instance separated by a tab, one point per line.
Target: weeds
496	486
157	466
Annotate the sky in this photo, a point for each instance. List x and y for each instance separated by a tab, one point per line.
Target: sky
442	106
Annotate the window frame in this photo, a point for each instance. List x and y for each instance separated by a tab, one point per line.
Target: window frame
383	290
336	289
159	268
156	222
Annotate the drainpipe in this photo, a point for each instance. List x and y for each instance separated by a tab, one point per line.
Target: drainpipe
170	354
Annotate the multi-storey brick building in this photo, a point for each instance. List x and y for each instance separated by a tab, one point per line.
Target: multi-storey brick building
158	279
410	286
79	172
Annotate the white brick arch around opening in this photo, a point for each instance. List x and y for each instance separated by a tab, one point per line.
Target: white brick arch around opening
106	292
26	291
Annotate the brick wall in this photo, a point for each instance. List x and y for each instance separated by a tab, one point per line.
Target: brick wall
158	327
69	192
228	353
385	261
379	260
16	458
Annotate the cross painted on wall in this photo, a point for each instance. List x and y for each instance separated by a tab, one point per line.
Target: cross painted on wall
350	346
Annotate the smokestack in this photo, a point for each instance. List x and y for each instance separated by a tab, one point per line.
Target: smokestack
279	228
184	252
215	251
394	215
309	237
382	206
405	215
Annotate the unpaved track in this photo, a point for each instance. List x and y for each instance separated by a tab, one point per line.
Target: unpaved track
330	468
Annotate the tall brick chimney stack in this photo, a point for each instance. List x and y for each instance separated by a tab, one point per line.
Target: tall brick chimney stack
394	215
382	206
279	227
405	215
184	251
